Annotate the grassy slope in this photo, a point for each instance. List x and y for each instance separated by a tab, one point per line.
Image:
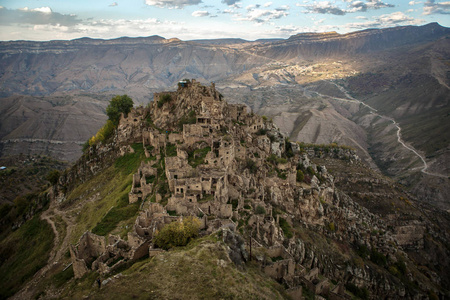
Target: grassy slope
23	253
201	270
108	191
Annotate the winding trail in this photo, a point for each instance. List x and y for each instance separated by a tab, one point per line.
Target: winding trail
396	124
61	244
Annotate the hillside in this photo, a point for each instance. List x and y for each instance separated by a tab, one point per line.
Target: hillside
276	218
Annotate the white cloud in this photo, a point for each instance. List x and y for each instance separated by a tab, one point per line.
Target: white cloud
252	6
172	3
352	6
200	13
387	20
323	7
37	16
267	4
433	7
414	2
230	2
44	10
113	4
258	15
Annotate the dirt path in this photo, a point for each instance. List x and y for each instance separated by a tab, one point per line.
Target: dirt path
60	244
396	124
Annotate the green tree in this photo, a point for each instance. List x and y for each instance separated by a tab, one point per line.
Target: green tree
118	105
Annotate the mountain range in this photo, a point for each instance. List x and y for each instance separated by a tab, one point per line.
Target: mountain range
384	92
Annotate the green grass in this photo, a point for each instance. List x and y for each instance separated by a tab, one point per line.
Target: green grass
287	230
23	253
59	279
197	157
109	189
122	212
171	150
190	118
129	163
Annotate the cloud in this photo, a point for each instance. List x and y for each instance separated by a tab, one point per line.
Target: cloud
377	4
228	11
172	3
267	4
36	16
200	13
323	7
252	6
230	2
44	10
352	6
414	2
113	4
387	20
433	7
256	14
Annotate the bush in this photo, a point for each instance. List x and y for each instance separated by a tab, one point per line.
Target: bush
251	166
300	176
331	226
196	157
164	99
190	118
362	293
287	230
53	177
102	135
261	131
118	105
377	257
178	233
260	210
171	150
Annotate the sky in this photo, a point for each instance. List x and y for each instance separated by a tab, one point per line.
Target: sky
43	20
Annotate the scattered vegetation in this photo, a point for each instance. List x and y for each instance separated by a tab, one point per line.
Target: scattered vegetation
251	165
287	229
300	176
53	177
104	134
171	150
197	157
260	210
190	118
178	233
163	99
361	293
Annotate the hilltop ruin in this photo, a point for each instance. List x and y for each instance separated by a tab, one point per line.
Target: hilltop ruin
236	173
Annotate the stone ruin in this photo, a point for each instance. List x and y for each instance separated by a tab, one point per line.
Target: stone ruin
238	182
